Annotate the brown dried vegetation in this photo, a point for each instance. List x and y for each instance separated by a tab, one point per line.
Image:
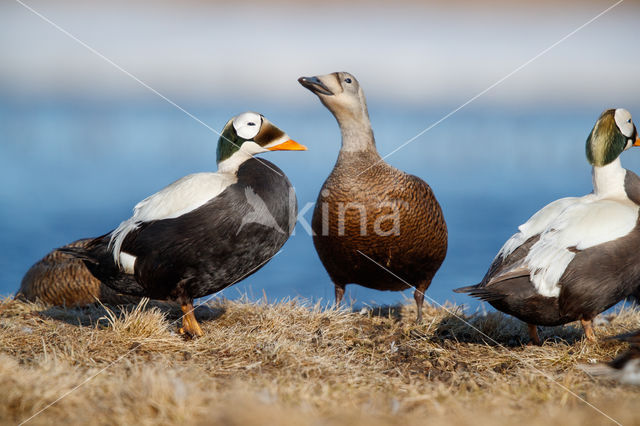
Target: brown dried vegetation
289	363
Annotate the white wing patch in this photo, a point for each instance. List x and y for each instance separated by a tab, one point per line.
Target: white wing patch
182	196
127	263
567	223
536	224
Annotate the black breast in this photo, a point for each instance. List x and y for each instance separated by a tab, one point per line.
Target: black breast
601	276
632	186
220	243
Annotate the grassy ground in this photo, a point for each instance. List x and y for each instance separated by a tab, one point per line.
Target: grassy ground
290	364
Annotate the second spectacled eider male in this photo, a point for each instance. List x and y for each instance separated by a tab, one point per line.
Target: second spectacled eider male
373	224
578	256
205	231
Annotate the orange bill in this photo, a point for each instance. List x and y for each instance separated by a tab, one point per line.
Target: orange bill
289	145
637	142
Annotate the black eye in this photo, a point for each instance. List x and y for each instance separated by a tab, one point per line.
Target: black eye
251	123
629	121
347	80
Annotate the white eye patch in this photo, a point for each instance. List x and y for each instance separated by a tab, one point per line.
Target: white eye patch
623	121
247	125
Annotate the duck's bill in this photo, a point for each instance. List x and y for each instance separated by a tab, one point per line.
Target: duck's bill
315	85
289	145
637	142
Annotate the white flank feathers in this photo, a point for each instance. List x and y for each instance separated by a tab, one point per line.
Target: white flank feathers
127	262
586	223
574	222
536	224
182	196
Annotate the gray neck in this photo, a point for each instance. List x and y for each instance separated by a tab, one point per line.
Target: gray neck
357	135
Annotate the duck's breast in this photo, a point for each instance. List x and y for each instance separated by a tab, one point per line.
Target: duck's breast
221	242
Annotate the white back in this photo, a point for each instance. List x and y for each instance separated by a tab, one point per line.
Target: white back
584	222
182	196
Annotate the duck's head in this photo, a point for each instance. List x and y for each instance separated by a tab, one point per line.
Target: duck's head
341	93
613	133
248	134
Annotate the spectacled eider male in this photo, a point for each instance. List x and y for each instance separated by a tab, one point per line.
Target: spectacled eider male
369	213
577	256
625	368
60	279
205	231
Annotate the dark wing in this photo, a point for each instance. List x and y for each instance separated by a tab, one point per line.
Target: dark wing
502	271
214	245
99	261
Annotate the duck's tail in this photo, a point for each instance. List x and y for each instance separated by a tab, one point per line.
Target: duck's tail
467	289
480	292
99	261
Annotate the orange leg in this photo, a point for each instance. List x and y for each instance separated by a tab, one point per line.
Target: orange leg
190	325
587	325
533	335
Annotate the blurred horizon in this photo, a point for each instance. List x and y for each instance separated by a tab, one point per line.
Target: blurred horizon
409	53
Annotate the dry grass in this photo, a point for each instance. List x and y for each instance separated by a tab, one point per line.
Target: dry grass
288	363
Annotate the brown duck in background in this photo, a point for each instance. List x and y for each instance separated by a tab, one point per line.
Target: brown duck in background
373	224
60	279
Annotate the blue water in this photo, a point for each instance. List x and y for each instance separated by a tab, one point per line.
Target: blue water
75	168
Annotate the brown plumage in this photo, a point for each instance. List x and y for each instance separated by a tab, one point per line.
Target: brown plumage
373	224
62	280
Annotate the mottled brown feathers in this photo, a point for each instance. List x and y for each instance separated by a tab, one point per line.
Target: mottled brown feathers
362	184
373	225
60	279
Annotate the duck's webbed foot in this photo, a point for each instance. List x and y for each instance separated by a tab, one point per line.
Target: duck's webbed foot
190	325
587	325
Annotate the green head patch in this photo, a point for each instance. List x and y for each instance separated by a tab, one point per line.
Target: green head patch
255	134
228	143
605	142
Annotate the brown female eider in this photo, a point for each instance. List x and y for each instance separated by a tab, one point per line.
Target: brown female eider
577	256
59	279
373	224
205	231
